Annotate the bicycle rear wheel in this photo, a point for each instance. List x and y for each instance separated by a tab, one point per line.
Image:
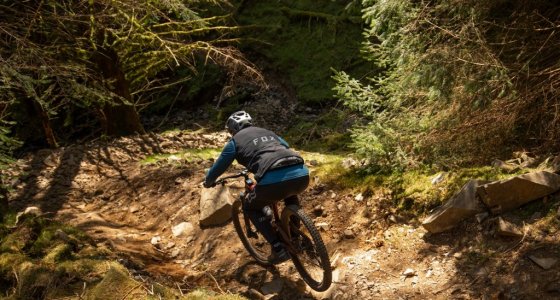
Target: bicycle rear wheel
309	253
254	241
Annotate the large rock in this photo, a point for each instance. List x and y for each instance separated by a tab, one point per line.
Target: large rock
511	193
215	205
463	205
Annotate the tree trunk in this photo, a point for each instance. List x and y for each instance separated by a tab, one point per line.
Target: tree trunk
121	118
46	122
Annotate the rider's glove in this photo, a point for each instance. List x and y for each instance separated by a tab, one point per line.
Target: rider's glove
207	184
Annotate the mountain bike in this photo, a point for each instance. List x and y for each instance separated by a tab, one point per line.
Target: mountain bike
295	230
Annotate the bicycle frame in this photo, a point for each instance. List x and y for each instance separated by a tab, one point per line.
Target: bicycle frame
276	224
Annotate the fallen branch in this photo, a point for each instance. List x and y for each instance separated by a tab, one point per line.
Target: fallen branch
218	285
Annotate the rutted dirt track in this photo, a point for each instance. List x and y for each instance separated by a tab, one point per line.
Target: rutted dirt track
105	189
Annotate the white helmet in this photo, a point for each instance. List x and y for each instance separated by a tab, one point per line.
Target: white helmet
237	121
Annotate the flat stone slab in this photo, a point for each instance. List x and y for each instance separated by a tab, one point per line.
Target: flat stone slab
462	205
543	262
506	228
215	205
505	195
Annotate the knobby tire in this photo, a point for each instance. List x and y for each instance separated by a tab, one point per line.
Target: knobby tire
239	219
318	245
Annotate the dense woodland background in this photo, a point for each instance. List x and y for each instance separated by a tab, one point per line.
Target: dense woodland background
426	83
112	110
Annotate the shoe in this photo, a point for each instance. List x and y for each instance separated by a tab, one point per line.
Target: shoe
279	255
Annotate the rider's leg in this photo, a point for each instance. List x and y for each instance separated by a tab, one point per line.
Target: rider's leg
292	200
264	195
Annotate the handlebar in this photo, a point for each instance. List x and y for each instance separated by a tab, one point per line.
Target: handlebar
223	180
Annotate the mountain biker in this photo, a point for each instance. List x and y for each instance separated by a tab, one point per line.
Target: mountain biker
279	171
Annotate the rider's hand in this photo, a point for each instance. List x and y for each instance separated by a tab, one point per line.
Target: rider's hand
208	184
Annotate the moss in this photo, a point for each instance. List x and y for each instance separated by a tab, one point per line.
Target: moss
47	238
87	269
57	253
201	294
117	284
9	261
18	240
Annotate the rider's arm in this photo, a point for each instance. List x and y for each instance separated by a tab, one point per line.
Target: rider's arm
283	142
222	163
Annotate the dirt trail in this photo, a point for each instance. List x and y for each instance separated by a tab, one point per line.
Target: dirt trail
105	189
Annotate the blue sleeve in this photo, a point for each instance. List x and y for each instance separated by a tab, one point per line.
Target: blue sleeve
281	140
222	163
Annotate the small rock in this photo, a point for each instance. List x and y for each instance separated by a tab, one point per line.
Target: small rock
409	272
349	234
134	208
183	228
333	195
336	237
506	228
323	225
392	219
155	240
482	216
340	206
313	162
273	287
59	234
349	163
175	252
359	197
545	263
173	158
170	245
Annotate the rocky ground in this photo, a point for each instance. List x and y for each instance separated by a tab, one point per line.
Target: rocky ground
132	204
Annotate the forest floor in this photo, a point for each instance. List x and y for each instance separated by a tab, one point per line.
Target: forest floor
126	192
129	193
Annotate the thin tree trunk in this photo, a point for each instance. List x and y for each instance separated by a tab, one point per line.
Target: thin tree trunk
3	201
120	118
46	122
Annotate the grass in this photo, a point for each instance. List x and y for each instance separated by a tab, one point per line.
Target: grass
304	47
410	191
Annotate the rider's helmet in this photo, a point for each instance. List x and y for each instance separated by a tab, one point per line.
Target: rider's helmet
237	121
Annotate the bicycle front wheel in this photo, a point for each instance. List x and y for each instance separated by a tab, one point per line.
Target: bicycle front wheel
308	252
254	241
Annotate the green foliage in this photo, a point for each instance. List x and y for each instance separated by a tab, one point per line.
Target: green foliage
449	87
302	41
62	58
325	133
